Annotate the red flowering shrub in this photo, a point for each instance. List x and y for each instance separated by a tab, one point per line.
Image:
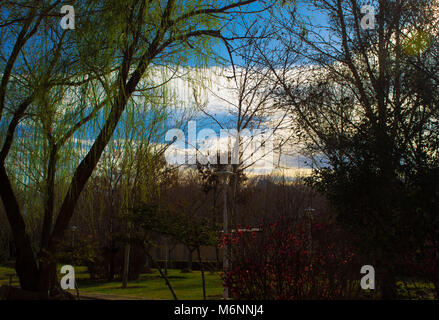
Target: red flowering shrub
288	260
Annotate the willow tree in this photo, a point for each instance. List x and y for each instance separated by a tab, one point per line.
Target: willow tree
88	77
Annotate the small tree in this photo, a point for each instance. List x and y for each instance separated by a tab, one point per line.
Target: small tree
189	230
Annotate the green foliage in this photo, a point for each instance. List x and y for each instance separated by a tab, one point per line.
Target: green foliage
194	232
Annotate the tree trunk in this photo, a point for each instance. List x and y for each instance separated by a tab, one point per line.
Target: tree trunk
189	260
166	257
126	265
388	289
48	277
25	263
111	271
147	265
162	275
202	273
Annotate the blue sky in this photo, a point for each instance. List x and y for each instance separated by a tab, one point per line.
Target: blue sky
204	122
304	10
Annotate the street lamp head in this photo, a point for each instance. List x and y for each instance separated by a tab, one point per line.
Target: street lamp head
224	174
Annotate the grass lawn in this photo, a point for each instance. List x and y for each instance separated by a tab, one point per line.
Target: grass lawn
187	286
4	279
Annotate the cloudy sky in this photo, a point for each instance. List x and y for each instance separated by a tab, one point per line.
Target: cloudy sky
216	100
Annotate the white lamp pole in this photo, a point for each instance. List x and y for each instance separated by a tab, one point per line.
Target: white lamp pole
224	175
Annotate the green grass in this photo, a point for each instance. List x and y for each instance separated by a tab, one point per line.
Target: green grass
416	289
4	279
187	286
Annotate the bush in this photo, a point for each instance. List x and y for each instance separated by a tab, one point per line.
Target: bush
108	264
289	260
424	264
103	262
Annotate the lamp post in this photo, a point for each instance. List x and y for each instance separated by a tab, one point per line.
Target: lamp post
224	176
74	228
